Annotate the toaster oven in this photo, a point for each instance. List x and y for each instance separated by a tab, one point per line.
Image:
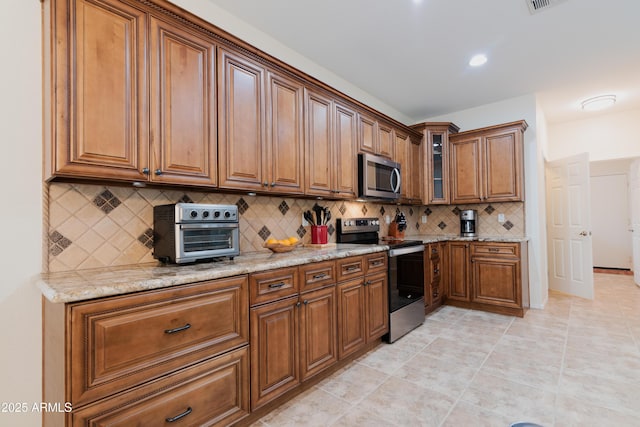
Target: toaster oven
190	232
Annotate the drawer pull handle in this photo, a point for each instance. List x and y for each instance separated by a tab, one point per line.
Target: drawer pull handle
494	250
376	263
177	417
320	276
276	285
174	330
353	268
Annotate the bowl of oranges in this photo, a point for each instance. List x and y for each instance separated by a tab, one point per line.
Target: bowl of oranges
282	245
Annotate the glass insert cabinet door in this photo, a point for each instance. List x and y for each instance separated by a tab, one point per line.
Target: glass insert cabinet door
438	181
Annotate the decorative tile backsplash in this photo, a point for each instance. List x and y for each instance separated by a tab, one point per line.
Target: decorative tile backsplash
96	226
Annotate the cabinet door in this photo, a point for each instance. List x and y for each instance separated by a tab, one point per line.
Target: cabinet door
319	140
183	127
274	350
401	156
285	137
416	188
458	261
503	161
437	167
465	172
346	180
318	331
385	140
496	281
241	122
351	317
367	134
99	109
377	306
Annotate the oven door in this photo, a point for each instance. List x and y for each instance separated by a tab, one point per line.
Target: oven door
406	277
379	178
206	240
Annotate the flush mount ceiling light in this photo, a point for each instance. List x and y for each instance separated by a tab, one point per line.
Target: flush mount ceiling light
598	102
478	60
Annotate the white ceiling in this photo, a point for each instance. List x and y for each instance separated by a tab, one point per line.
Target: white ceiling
413	56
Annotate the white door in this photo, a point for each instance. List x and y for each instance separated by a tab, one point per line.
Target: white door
569	226
634	189
610	221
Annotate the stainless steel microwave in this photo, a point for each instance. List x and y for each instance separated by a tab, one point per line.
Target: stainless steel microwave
378	178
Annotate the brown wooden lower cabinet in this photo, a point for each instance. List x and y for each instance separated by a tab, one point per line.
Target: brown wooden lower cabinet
363	305
274	350
318	331
141	358
490	276
212	393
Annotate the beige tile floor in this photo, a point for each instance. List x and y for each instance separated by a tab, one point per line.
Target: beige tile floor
575	363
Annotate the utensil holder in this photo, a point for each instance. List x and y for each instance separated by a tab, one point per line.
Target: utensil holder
319	234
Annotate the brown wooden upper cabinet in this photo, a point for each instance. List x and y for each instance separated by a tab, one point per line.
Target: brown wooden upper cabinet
436	161
330	143
260	126
408	154
132	97
374	136
486	165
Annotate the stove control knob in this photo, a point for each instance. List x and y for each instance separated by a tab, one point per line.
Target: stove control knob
193	214
348	223
205	214
376	222
216	214
227	214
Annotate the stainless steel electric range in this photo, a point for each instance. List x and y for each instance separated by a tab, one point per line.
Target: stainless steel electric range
406	273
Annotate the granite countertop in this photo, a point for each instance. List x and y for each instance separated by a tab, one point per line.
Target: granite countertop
79	285
433	238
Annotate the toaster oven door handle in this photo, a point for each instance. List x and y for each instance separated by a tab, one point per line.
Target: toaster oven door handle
207	225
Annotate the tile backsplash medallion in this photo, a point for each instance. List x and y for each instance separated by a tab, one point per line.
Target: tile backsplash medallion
97	226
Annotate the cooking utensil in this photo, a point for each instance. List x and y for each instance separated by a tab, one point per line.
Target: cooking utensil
308	216
327	216
318	210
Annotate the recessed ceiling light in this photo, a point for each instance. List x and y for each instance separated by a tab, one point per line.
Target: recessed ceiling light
478	60
598	102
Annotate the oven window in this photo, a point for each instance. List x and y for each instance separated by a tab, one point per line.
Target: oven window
207	239
406	280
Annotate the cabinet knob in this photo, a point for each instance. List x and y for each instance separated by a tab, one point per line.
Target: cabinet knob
145	171
306	302
158	172
298	304
273	184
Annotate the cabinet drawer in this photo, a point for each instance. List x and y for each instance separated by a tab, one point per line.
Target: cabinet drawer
350	267
316	275
493	249
273	284
121	342
215	392
376	262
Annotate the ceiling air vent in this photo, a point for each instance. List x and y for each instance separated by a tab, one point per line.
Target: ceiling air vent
536	6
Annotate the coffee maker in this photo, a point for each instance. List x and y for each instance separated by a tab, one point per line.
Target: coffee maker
468	227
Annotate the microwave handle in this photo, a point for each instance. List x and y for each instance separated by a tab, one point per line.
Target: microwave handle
396	172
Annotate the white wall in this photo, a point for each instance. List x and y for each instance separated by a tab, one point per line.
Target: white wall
524	107
21	215
231	24
604	137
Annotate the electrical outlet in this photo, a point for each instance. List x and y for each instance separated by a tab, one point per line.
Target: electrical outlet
501	219
424	219
387	219
305	223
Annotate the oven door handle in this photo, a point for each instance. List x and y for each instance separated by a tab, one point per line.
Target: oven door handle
207	226
405	251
